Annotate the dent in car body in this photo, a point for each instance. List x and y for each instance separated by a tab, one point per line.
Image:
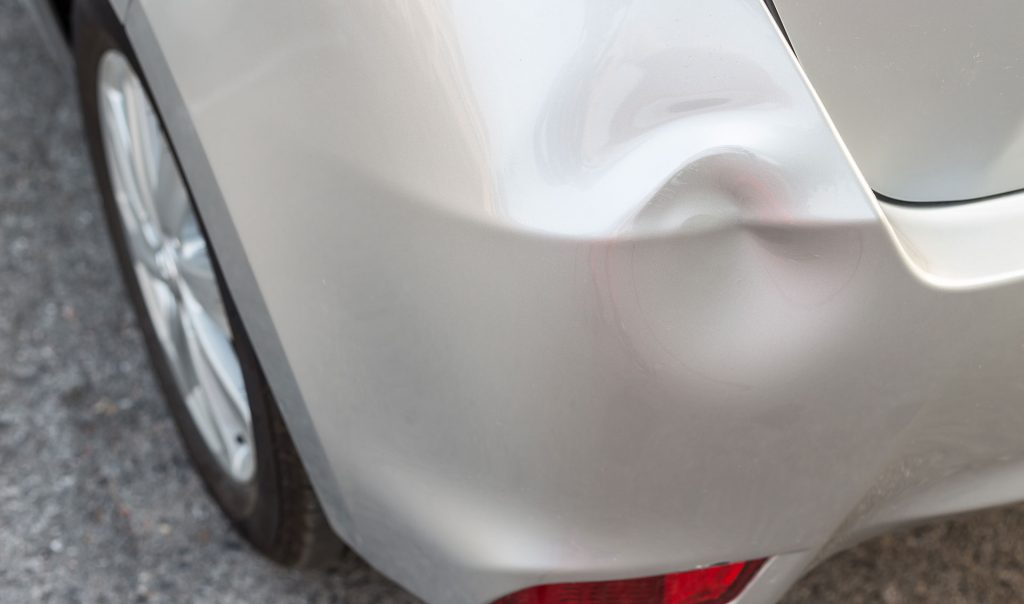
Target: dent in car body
568	291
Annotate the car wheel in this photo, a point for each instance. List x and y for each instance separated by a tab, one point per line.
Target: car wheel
213	382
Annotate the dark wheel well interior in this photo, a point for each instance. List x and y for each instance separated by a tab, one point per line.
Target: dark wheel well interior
62	10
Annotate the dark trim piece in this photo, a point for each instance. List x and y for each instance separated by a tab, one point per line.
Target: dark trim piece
778	21
949	202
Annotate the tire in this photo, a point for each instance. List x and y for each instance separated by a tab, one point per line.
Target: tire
275	509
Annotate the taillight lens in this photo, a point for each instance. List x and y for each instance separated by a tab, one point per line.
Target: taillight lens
713	585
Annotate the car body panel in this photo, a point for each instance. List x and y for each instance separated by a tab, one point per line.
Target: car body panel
928	94
120	7
578	291
963	245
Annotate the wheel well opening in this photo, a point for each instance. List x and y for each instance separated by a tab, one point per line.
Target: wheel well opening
62	10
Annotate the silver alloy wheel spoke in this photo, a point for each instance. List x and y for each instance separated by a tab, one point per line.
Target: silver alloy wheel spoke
171	260
197	274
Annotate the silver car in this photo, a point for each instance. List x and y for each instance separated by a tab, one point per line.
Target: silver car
587	301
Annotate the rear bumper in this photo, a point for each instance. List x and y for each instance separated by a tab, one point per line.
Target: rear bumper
642	405
639	316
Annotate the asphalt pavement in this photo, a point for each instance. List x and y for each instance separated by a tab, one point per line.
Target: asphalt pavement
98	502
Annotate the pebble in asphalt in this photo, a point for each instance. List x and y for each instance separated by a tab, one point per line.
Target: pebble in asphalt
98	502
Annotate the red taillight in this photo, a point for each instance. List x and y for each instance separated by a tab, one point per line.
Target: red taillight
714	585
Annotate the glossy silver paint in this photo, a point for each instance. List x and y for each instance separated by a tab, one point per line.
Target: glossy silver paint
928	94
171	260
582	290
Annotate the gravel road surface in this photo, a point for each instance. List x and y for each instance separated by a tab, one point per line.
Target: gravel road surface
98	502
